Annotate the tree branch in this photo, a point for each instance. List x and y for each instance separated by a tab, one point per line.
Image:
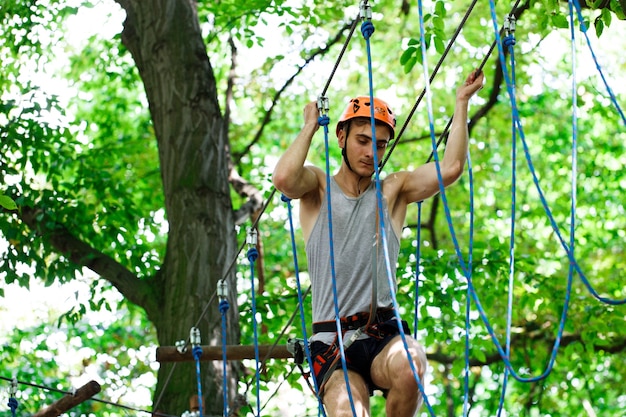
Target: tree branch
268	115
616	346
82	254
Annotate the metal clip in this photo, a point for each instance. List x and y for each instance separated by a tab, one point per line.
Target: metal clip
222	289
251	238
194	336
323	105
509	24
13	387
181	346
365	10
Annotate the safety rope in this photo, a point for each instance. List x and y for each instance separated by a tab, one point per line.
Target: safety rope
431	79
468	302
583	28
574	264
323	121
12	400
252	255
418	274
196	350
307	349
542	198
222	293
509	42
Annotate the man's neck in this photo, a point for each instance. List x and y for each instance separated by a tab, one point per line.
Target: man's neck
350	182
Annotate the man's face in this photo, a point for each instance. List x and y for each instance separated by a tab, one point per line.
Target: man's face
359	151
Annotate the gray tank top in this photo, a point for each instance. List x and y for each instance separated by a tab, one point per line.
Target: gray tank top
354	229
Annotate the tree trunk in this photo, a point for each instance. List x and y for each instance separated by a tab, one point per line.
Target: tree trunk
165	41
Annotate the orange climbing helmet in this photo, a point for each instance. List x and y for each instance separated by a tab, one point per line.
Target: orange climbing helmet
360	107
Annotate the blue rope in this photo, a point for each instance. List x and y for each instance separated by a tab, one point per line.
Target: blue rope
501	352
542	198
509	42
367	28
13	406
224	306
252	255
323	121
418	257
307	350
583	28
197	354
468	301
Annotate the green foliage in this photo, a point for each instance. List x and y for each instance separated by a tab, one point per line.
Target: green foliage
65	356
90	164
7	202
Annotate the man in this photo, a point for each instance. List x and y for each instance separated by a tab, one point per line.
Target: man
376	358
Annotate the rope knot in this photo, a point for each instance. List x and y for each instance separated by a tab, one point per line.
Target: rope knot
252	254
323	120
224	306
508	41
12	405
284	198
367	29
197	352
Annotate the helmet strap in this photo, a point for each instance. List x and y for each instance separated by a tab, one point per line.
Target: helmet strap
344	150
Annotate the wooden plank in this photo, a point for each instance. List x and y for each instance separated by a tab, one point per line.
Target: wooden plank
63	405
166	354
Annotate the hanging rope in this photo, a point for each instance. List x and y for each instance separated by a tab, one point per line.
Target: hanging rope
196	350
307	350
12	400
575	266
418	257
323	122
468	301
583	28
431	79
509	43
368	29
222	293
252	255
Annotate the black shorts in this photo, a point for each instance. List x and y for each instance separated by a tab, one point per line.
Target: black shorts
359	355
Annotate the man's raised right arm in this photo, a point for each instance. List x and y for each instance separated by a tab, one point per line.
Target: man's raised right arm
290	176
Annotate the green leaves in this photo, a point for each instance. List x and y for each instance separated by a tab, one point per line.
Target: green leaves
7	202
434	28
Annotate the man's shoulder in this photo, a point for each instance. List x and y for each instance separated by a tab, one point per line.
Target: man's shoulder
394	181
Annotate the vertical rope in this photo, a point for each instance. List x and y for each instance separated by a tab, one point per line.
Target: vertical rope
583	28
307	350
418	257
222	292
12	400
252	255
509	42
468	300
323	121
194	336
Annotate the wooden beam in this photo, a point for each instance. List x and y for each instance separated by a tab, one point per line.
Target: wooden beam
69	401
214	353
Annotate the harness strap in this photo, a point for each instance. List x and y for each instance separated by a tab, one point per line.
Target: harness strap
355	321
